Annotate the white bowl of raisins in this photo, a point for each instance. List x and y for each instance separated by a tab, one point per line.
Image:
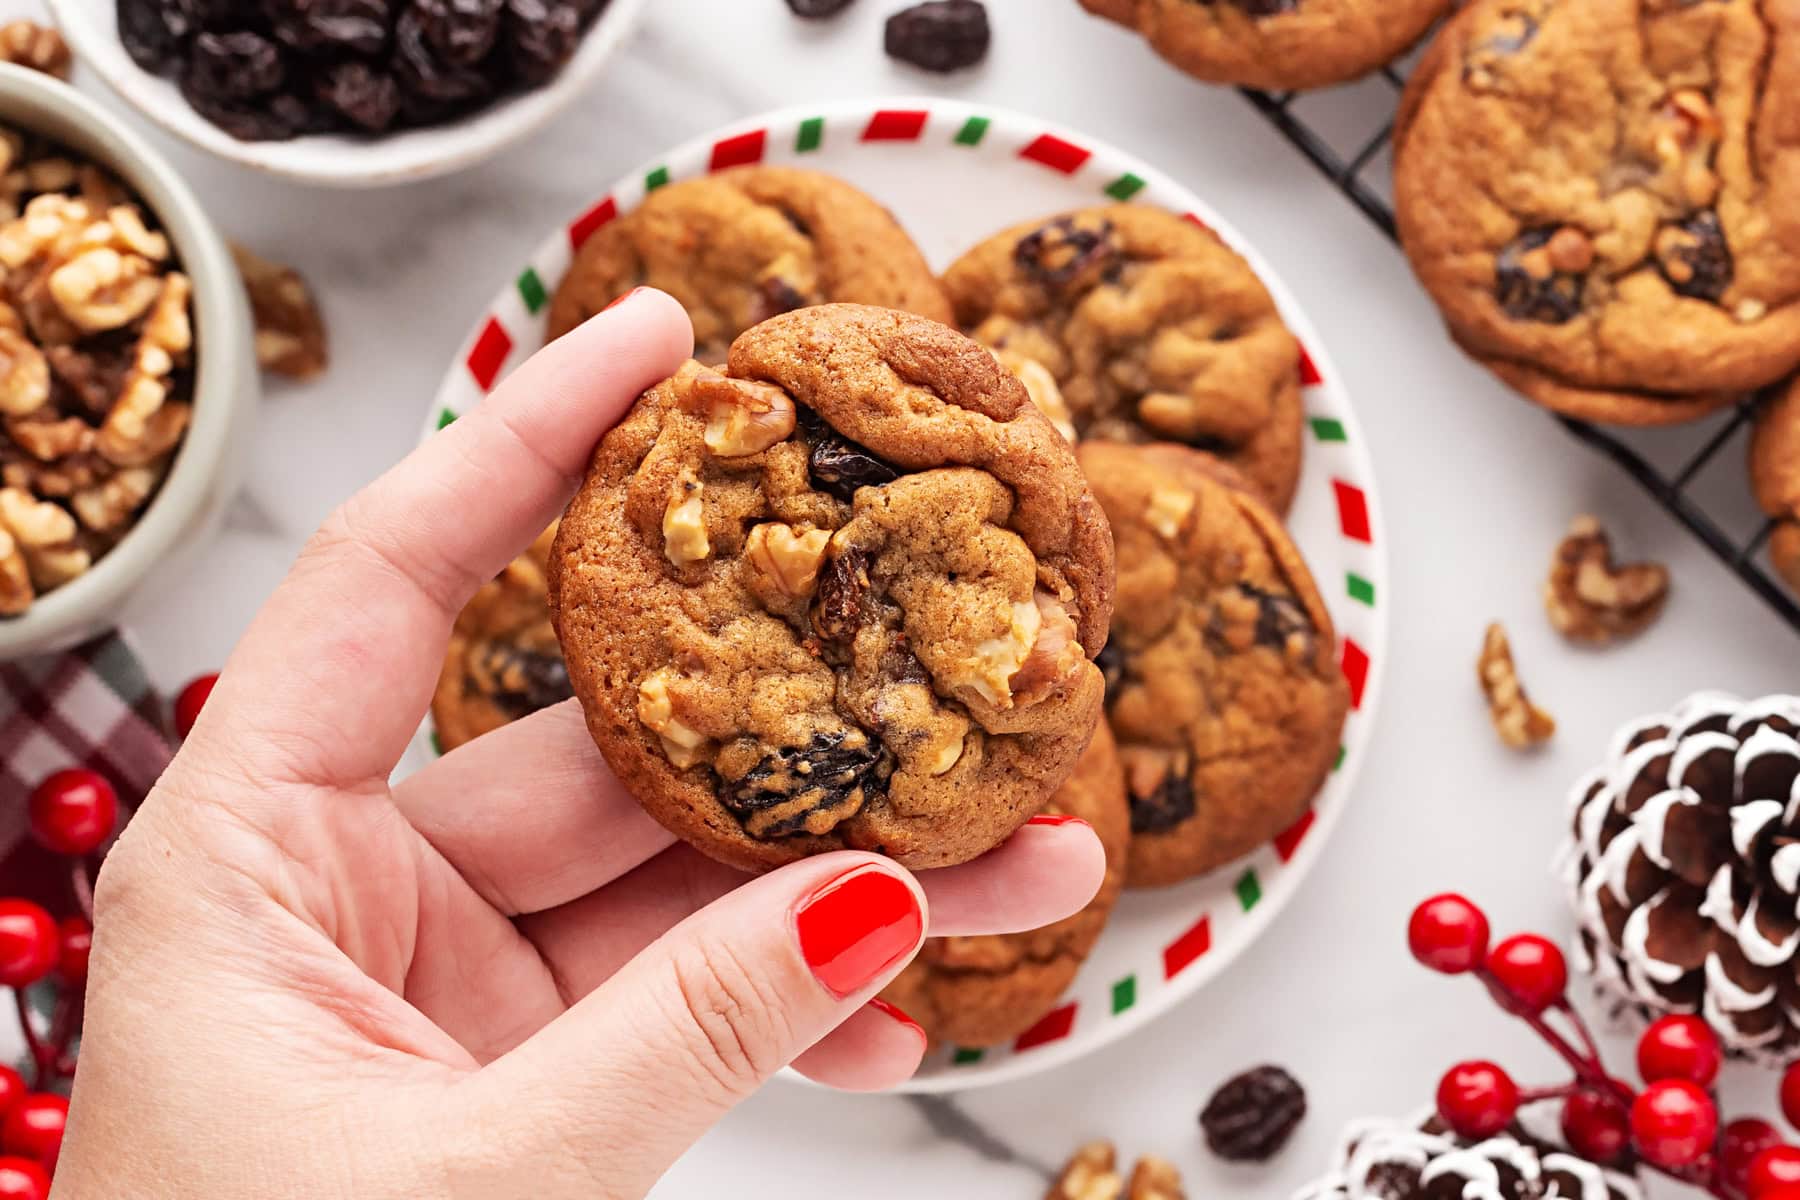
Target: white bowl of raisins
348	93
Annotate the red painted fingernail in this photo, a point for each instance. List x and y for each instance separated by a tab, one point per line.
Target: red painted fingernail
855	927
899	1015
622	299
1054	819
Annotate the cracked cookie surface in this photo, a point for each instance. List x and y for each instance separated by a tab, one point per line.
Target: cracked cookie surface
982	991
841	595
1223	687
503	662
1604	198
743	245
1276	44
1152	329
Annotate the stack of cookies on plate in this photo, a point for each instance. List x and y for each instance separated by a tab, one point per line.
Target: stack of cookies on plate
848	579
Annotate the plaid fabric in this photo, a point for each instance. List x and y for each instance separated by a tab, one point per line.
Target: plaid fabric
92	706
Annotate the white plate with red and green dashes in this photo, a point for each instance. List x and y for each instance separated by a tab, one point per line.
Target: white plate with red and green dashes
954	173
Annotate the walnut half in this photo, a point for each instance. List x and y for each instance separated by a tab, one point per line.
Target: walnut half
1092	1174
1520	723
1592	599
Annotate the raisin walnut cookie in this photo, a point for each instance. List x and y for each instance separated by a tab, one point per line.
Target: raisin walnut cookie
1604	198
503	662
1152	329
982	991
1278	45
740	246
1223	687
843	594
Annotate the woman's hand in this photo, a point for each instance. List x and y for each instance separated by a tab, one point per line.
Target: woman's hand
498	978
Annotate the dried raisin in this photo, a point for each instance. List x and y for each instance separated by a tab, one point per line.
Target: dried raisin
334	26
461	31
817	8
541	36
1261	8
369	98
1171	803
1252	1115
1111	661
1695	258
1279	617
154	32
839	466
235	66
1067	252
522	680
842	596
1529	287
940	35
808	789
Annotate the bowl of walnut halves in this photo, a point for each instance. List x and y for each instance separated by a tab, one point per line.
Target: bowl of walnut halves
127	370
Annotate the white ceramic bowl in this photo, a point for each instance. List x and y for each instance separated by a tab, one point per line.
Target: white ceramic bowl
1001	168
185	510
342	160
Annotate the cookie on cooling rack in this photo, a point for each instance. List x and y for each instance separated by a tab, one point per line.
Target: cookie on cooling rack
742	245
1604	199
1276	45
843	594
1775	477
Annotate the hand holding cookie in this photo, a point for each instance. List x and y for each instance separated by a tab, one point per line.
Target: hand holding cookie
500	976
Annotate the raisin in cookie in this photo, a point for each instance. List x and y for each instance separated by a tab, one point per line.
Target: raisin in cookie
842	595
981	991
1604	198
1276	44
503	661
740	246
1151	328
1775	477
1222	681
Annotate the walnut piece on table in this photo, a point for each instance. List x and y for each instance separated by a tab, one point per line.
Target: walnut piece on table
1520	723
1092	1174
40	47
290	333
1592	599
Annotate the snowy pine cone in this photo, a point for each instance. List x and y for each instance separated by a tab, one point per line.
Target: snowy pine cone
1685	868
1416	1160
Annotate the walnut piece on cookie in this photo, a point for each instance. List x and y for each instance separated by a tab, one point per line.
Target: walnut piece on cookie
1148	328
843	592
1520	723
1590	598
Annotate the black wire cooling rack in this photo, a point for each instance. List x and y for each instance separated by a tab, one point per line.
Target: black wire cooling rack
1333	131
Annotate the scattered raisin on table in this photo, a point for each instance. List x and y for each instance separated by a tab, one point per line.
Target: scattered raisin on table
940	35
1252	1115
817	8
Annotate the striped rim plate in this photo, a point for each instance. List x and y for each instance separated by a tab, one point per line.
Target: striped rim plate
954	173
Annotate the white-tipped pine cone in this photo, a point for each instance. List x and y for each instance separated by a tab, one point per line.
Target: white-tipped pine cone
1417	1160
1685	868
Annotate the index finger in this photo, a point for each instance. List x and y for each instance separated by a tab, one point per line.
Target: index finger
336	671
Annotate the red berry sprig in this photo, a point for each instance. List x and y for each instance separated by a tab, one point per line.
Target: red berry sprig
1671	1124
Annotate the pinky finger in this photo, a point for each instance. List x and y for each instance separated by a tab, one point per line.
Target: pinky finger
878	1047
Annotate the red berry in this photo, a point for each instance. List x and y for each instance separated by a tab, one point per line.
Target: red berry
1529	973
1776	1167
1595	1126
1790	1094
75	941
12	1089
1745	1138
27	943
1477	1099
1673	1122
34	1128
1447	933
189	703
23	1179
1680	1048
73	811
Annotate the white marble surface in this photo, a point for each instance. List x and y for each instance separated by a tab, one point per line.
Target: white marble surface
1477	487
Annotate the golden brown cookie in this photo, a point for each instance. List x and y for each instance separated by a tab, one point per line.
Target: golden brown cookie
843	596
1278	45
503	661
981	991
1152	328
1223	687
1775	477
740	246
1604	198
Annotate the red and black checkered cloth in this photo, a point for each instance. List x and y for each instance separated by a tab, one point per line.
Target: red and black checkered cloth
91	707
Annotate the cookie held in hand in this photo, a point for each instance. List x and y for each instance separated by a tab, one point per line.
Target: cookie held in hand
1223	686
843	594
982	991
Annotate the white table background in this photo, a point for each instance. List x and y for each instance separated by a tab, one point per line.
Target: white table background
1477	487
